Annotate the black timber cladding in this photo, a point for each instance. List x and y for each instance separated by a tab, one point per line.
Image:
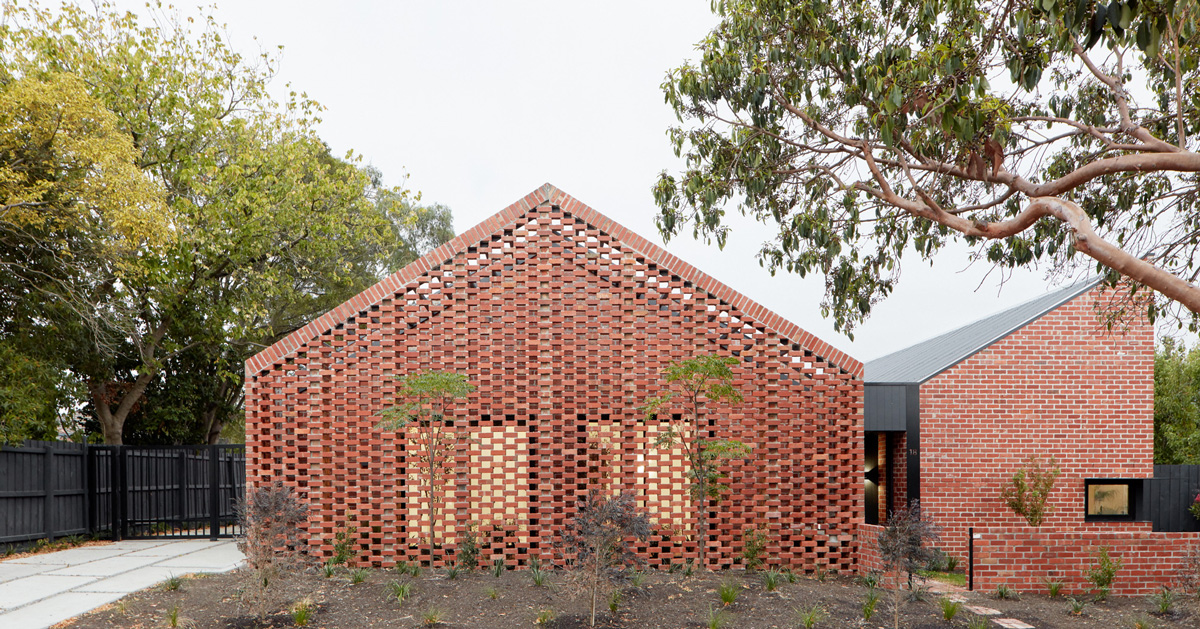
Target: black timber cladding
1168	495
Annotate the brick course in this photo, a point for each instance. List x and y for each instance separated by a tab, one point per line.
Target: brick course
562	319
1062	386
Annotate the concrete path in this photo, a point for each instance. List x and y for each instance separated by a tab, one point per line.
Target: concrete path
41	590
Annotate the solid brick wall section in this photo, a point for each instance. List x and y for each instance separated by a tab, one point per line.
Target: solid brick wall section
563	327
1062	386
867	543
1022	557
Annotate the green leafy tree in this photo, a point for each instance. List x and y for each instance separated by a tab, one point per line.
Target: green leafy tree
1028	494
691	384
431	439
1039	131
1176	404
267	228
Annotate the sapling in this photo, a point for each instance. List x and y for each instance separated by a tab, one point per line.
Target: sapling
1028	494
432	440
695	381
903	548
272	541
594	541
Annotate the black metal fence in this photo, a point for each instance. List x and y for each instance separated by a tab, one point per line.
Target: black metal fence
1169	494
52	489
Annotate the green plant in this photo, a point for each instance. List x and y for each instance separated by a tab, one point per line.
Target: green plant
614	602
414	571
791	576
596	539
870	602
1029	492
951	563
402	568
771	579
821	574
1075	607
811	615
1004	593
717	617
422	417
544	617
498	568
1101	595
535	570
302	613
273	539
870	580
1194	509
903	548
1104	571
467	554
1164	600
491	592
637	579
1053	587
452	571
173	583
699	380
343	545
432	616
728	590
358	575
1142	622
173	616
399	590
754	542
689	568
979	622
949	608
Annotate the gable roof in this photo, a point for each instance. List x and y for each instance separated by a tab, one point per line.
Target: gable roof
507	218
920	362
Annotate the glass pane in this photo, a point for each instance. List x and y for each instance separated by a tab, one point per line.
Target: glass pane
1108	499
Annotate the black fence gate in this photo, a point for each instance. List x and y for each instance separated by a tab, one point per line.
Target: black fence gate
52	489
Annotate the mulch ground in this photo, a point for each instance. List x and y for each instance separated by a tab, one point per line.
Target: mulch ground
664	600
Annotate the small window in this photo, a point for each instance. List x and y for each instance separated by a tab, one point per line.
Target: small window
1111	499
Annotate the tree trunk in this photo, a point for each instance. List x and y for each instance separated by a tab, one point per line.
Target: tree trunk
112	422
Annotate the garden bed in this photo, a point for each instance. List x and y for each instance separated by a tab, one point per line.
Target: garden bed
663	600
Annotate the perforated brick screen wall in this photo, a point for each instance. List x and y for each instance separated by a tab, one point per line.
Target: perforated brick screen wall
563	320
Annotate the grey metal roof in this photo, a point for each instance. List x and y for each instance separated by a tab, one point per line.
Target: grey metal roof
926	359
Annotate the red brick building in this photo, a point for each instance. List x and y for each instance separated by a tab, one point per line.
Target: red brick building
950	420
562	319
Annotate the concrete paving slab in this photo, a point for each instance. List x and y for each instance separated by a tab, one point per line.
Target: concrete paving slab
132	581
1013	623
70	557
175	548
983	611
220	558
57	609
30	589
10	571
106	567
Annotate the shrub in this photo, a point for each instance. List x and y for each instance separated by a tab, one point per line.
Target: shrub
811	615
1189	570
1075	607
771	579
870	602
637	579
467	554
903	547
1029	493
302	612
754	542
614	602
1053	587
359	575
1005	593
399	591
1195	508
432	616
498	568
272	542
728	591
452	571
950	608
717	617
594	541
951	563
1164	600
343	546
1142	622
1104	572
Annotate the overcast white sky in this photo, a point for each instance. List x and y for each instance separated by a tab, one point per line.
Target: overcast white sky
482	102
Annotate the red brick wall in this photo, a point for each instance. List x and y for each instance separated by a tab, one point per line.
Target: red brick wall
1061	386
868	549
1022	557
563	329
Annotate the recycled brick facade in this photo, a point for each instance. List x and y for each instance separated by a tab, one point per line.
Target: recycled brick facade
1062	386
1022	557
563	320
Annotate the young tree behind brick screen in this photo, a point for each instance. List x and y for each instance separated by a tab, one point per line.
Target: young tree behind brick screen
432	439
595	540
700	379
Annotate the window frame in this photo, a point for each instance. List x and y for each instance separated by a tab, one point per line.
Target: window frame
1135	495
